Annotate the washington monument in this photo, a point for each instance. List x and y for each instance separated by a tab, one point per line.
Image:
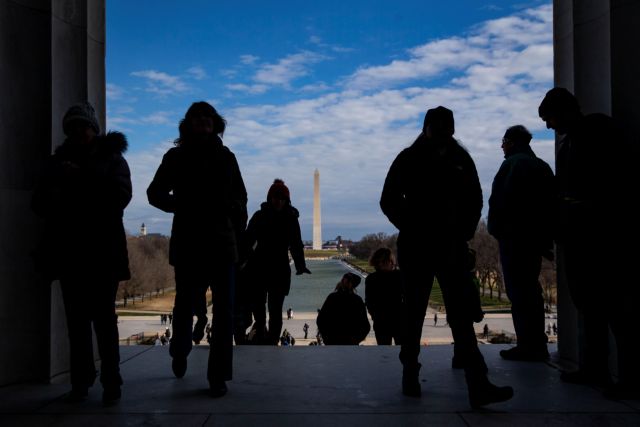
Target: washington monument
317	224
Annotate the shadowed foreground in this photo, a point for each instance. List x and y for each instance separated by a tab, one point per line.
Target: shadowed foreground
312	386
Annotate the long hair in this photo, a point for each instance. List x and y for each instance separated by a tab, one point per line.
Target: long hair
200	108
380	256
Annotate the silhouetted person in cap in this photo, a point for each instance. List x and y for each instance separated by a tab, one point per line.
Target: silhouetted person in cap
597	235
274	231
342	320
199	181
521	210
82	196
432	195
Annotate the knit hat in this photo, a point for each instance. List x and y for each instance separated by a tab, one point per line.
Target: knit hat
353	278
278	190
440	119
82	112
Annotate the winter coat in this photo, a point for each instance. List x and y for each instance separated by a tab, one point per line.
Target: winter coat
82	196
200	183
597	180
274	234
383	296
342	320
522	202
434	196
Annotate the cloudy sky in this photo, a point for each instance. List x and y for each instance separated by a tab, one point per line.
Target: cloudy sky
341	86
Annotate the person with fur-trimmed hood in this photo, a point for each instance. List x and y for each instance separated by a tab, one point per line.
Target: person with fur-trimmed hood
274	230
82	195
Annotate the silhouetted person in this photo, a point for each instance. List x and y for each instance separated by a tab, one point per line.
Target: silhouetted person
435	319
485	331
274	231
343	317
305	329
432	195
383	297
82	196
199	182
521	210
597	234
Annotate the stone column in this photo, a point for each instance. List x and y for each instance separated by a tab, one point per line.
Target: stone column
52	55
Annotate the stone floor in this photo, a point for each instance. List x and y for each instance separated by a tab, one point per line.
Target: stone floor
316	386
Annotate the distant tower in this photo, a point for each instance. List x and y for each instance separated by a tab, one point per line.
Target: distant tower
317	224
143	230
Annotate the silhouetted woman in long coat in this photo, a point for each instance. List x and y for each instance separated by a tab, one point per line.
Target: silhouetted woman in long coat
199	182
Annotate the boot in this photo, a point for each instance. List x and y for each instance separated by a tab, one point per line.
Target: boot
411	380
482	392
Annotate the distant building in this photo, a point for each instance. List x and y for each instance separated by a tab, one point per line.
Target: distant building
143	230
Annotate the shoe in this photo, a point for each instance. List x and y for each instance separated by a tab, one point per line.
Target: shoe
488	393
76	395
198	332
456	363
111	395
217	389
582	377
519	354
621	392
411	381
179	366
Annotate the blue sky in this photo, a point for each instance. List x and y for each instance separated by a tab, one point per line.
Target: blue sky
341	86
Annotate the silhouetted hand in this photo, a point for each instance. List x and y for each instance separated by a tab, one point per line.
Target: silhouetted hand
302	271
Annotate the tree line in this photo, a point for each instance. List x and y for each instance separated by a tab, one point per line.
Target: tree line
151	273
488	270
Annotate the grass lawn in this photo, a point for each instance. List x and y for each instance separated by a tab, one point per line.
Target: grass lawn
315	253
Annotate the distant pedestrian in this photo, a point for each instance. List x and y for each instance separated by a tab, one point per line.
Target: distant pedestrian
305	328
435	319
383	297
167	333
555	328
343	317
170	316
162	319
81	196
289	313
485	331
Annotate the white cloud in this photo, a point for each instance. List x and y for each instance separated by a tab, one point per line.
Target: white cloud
492	79
197	72
161	83
251	89
287	69
249	59
114	92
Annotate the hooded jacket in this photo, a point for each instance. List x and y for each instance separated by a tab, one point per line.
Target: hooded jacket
81	196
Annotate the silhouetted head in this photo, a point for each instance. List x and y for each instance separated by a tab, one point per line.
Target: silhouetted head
559	109
278	195
382	259
438	123
201	122
80	122
349	282
515	138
